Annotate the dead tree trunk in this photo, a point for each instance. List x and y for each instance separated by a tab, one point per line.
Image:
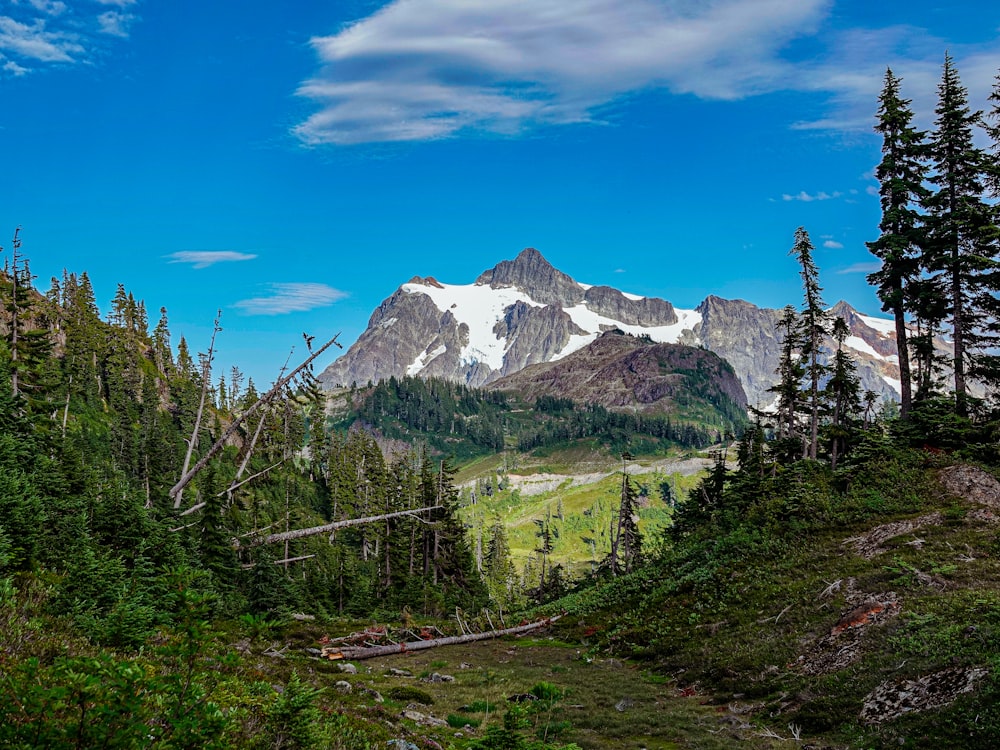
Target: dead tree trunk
314	530
187	476
206	374
367	652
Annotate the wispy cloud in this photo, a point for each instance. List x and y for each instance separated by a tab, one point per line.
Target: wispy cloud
39	33
869	267
49	7
289	298
853	77
206	258
12	68
114	23
33	42
833	245
427	69
424	69
805	197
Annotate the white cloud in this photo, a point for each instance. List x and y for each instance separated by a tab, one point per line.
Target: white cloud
423	69
37	33
872	190
11	67
870	267
289	298
853	77
833	245
206	258
114	23
805	197
31	41
49	7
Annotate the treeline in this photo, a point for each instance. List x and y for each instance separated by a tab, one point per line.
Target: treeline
463	422
445	414
618	429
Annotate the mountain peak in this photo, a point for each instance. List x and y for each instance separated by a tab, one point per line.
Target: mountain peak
535	276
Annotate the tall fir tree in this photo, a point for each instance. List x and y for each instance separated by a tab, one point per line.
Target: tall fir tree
901	175
788	388
814	331
992	125
28	341
843	392
962	237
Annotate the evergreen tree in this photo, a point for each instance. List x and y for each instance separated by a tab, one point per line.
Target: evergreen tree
901	175
627	544
814	331
28	342
843	392
790	374
992	125
119	307
962	236
788	388
498	567
162	354
752	457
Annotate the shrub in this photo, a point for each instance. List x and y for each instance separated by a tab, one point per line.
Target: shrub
407	694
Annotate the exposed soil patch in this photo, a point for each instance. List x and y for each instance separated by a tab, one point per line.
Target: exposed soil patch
536	484
973	484
842	645
890	700
870	544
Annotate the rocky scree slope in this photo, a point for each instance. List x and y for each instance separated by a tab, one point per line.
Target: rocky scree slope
618	371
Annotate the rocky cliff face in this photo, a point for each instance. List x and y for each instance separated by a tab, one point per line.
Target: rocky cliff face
530	273
746	336
525	312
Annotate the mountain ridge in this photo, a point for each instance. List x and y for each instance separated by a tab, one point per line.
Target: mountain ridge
524	311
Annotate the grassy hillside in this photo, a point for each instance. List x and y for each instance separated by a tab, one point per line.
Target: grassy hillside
861	606
578	508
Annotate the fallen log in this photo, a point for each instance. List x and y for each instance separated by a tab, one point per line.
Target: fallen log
358	652
314	530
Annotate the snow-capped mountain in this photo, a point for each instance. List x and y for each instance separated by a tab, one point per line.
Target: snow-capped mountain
524	311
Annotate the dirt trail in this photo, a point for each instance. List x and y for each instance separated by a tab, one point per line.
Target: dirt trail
536	484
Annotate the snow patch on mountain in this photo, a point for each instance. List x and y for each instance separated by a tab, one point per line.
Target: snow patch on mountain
425	359
596	324
858	344
479	307
885	326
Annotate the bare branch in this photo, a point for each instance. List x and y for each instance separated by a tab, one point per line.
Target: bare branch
292	559
193	509
206	375
236	485
276	389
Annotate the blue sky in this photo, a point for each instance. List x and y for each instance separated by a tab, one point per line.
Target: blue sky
292	163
